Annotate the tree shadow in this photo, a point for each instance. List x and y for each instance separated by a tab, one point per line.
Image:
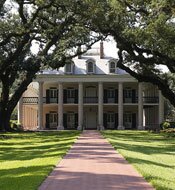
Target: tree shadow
23	177
67	180
27	147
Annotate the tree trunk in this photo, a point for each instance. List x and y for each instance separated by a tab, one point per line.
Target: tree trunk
5	120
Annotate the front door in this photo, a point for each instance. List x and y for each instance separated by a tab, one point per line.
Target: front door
91	120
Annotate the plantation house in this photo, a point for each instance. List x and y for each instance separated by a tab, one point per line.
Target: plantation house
90	93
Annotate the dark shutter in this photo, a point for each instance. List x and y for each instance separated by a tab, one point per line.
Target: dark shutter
65	120
73	68
65	96
134	120
47	96
105	96
116	120
105	120
133	96
57	119
76	120
57	95
124	96
116	95
47	121
76	96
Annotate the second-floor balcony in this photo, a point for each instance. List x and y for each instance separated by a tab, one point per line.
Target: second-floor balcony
131	99
91	100
150	99
110	100
50	100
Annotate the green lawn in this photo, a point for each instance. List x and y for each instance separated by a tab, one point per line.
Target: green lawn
153	155
27	158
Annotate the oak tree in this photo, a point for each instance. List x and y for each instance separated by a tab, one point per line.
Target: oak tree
53	26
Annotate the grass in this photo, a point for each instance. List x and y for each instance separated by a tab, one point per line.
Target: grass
153	155
26	159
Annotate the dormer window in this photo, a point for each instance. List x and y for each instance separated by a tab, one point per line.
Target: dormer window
68	68
112	66
90	67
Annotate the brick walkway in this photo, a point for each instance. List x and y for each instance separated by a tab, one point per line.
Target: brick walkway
93	164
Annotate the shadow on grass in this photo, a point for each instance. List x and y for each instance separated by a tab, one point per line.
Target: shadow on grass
26	146
151	153
24	177
141	141
92	180
45	147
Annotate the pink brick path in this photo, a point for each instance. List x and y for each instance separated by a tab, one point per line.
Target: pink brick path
93	164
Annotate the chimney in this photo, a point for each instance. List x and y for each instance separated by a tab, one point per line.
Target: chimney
101	50
78	51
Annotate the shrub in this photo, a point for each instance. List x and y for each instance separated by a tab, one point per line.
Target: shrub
165	125
15	125
170	132
172	124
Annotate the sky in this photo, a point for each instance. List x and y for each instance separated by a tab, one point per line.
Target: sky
109	47
110	50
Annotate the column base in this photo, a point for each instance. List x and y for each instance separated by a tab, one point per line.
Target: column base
60	128
140	128
120	127
39	128
101	127
80	128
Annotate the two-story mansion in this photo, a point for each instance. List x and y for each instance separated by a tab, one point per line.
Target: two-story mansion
90	93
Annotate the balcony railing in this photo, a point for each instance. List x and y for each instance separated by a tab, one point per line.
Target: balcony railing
71	101
146	99
90	100
50	100
110	100
151	99
30	100
130	100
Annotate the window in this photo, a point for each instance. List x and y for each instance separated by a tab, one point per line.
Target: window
53	93
70	120
53	119
128	120
90	66
128	95
68	68
111	120
70	93
110	117
112	67
110	93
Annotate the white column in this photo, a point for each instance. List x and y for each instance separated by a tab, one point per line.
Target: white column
20	111
40	106
140	107
100	106
120	106
80	106
60	107
161	108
